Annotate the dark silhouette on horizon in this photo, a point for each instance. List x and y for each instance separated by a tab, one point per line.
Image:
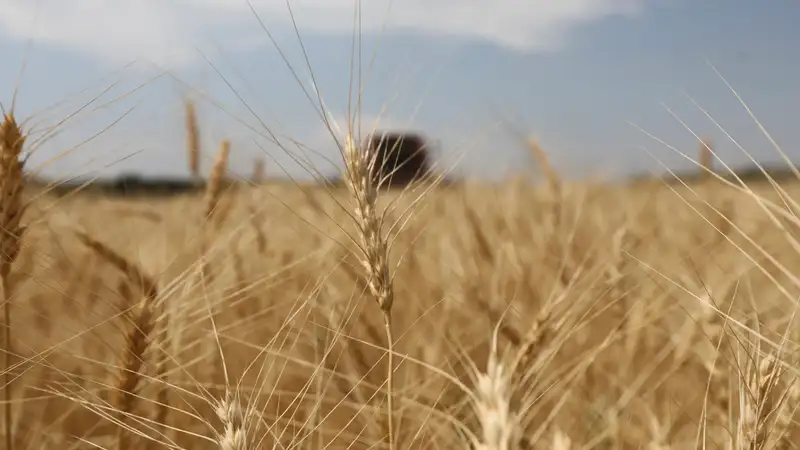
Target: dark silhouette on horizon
401	158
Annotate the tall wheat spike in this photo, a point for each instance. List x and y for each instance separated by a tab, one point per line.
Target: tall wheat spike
259	171
493	388
214	188
544	164
706	158
192	140
375	247
11	210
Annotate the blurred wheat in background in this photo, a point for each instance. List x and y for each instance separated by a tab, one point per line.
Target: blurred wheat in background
564	316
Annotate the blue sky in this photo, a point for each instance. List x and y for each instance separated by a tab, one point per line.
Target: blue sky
572	72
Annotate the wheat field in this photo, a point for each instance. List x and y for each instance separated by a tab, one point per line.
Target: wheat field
571	315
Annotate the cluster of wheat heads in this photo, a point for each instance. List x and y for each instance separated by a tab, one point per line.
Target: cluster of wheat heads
576	316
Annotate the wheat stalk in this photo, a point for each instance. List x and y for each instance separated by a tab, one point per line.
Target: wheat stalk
11	210
256	220
218	171
162	396
192	140
143	323
785	419
757	403
375	248
214	211
499	424
561	440
233	418
259	171
706	157
545	167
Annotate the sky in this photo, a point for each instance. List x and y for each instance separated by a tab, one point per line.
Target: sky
608	87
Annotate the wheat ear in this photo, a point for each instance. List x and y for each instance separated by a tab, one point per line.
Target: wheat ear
192	140
543	161
218	172
234	421
375	247
137	340
493	388
212	210
706	158
259	171
11	209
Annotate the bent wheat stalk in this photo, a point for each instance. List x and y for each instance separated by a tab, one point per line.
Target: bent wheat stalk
143	320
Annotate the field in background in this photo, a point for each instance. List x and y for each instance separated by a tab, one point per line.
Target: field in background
628	308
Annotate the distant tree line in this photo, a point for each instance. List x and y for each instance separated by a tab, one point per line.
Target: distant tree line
136	185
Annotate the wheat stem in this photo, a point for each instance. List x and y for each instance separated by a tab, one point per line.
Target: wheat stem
7	379
387	321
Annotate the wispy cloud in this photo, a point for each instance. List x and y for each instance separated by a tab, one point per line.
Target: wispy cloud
168	32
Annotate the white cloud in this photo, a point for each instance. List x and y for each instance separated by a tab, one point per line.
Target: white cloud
169	31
